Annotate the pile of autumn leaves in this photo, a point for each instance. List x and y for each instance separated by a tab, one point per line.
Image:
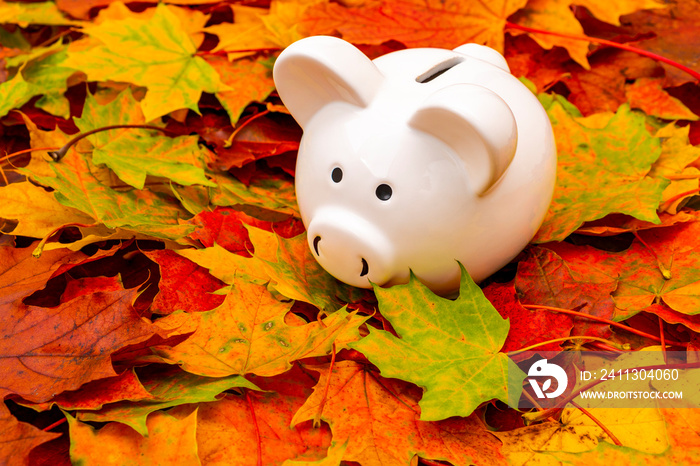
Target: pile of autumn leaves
158	298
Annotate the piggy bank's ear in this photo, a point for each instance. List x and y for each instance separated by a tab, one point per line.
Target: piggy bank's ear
477	124
316	71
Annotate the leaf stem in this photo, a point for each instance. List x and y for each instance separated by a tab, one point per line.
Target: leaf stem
54	425
25	151
605	321
60	153
624	346
600	424
610	43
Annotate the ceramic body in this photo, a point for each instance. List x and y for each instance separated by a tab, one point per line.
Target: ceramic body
416	160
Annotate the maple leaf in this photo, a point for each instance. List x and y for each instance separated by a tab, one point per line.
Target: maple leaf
648	95
49	350
545	279
661	268
37	211
557	16
169	387
673	36
677	154
230	191
229	427
78	186
255	29
150	50
94	395
34	13
641	428
603	168
287	264
131	153
384	427
45	73
21	274
527	327
253	72
14	93
450	348
248	334
170	440
18	438
415	23
183	285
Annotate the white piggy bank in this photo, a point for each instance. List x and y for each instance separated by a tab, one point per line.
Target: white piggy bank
416	160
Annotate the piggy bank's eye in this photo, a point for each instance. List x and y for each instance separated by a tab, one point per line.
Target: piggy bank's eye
337	175
383	192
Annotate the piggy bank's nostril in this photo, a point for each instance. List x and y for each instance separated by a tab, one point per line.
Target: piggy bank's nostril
365	268
317	240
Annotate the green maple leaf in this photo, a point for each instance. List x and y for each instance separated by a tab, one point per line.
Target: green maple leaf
34	13
78	183
14	93
154	52
603	168
133	153
41	72
449	348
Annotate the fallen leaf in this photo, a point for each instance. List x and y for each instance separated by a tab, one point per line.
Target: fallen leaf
248	334
545	279
648	95
576	433
169	387
94	395
161	57
286	264
256	428
183	285
134	153
170	440
383	426
78	186
21	274
527	327
450	348
50	350
18	438
36	210
253	72
674	37
603	168
415	23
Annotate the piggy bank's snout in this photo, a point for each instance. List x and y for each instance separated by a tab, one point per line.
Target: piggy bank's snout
351	249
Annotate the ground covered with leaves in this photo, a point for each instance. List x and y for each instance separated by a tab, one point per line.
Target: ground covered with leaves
158	301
